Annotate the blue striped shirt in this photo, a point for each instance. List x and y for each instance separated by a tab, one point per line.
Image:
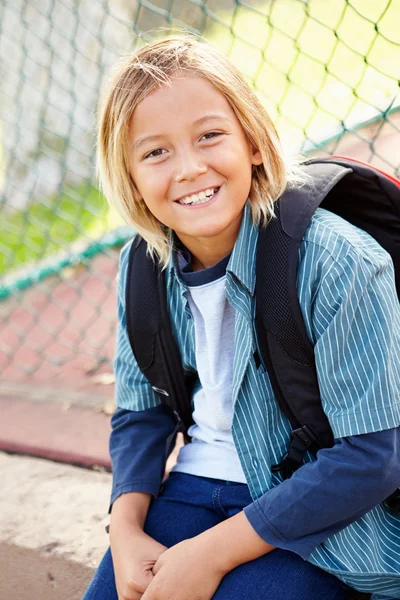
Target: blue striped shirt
351	312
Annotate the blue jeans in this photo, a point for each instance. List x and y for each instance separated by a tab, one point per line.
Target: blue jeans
188	505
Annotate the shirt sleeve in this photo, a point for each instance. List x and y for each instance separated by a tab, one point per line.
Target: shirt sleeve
143	428
354	322
324	496
140	444
352	315
132	389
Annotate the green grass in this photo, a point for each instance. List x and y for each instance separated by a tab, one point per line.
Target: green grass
52	225
318	63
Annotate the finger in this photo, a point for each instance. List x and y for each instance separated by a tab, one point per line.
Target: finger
135	596
147	595
131	596
158	564
150	593
133	590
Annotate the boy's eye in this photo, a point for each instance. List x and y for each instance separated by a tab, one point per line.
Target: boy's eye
211	134
156	152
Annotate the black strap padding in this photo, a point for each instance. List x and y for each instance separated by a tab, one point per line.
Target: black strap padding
286	350
150	333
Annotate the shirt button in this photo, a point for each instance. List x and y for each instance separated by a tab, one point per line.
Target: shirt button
255	462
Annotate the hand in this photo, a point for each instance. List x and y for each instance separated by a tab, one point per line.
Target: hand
193	569
134	555
187	571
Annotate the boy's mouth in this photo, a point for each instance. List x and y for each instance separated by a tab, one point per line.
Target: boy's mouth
200	198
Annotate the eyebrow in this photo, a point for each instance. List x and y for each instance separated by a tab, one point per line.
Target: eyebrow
201	121
146	138
212	117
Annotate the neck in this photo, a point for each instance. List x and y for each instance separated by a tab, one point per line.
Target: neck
208	257
208	251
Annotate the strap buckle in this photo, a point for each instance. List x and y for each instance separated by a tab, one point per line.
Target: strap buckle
301	440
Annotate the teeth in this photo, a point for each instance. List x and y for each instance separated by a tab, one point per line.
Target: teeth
200	198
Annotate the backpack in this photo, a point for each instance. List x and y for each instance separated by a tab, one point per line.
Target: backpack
361	194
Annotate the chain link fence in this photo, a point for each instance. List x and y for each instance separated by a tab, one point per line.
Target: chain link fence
327	70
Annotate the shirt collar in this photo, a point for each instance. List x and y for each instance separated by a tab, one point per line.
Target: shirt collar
172	270
242	263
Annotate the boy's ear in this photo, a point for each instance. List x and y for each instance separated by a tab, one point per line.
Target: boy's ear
256	157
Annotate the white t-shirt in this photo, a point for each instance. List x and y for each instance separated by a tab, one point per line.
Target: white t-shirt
212	452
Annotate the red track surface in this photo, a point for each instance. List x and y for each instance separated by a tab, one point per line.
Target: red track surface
66	434
70	321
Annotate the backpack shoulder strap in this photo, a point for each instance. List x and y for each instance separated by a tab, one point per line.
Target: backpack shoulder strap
150	332
286	351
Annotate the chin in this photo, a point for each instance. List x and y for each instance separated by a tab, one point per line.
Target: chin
206	231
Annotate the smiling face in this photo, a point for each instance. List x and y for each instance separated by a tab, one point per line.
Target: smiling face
192	163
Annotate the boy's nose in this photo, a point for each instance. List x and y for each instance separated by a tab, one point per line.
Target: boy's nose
189	167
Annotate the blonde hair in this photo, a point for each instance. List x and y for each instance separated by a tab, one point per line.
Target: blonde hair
151	67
